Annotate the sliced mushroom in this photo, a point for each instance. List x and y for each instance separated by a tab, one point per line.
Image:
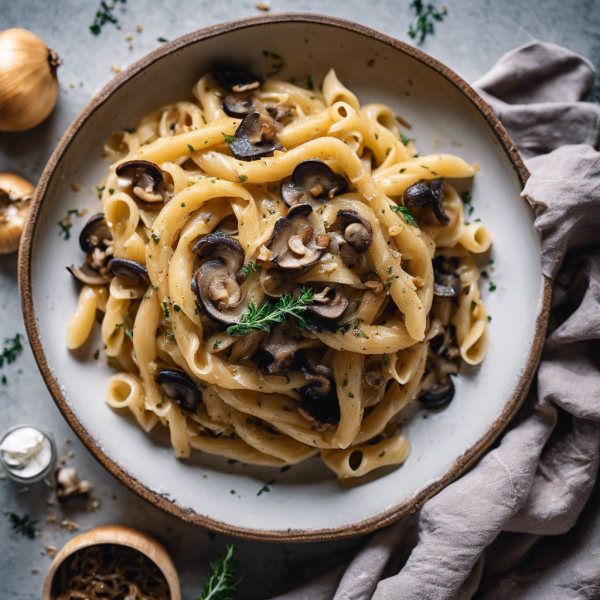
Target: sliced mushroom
329	299
319	398
217	281
373	375
68	485
178	386
87	274
299	239
275	282
446	283
444	344
223	248
237	105
15	197
440	394
313	182
129	269
228	226
145	177
420	195
95	234
236	80
373	282
356	229
277	353
256	137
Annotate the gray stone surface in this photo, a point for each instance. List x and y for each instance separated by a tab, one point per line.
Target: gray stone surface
471	38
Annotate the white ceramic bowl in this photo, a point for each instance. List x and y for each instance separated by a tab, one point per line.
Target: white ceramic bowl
306	502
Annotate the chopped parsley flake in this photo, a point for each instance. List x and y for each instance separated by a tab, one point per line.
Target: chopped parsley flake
243	178
166	309
229	138
191	148
386	361
155	238
492	287
408	217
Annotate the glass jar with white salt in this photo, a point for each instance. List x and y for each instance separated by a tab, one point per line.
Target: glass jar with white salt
27	453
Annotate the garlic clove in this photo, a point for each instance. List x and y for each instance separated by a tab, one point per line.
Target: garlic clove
15	197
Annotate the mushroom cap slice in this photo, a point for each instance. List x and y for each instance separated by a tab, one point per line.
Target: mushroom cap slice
237	105
299	239
15	196
440	395
95	234
313	182
319	397
277	352
329	299
223	248
255	137
219	292
132	270
420	195
145	177
374	376
236	80
357	230
275	282
178	386
446	283
87	274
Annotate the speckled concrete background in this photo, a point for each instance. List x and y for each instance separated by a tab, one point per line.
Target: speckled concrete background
473	35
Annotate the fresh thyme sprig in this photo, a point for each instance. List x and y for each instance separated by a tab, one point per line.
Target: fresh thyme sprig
267	315
221	585
425	15
23	525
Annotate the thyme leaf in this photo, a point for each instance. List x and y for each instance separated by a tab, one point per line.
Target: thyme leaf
267	315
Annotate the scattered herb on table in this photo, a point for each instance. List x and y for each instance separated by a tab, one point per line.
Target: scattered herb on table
309	82
22	525
425	16
12	349
220	585
162	40
105	15
492	287
267	315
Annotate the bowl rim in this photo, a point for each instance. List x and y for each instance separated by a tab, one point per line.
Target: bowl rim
463	462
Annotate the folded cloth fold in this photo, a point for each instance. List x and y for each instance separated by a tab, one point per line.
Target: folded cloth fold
525	521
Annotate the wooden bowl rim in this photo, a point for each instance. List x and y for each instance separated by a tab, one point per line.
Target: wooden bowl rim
462	464
118	535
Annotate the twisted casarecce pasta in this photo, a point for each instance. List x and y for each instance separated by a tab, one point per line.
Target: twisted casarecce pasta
280	273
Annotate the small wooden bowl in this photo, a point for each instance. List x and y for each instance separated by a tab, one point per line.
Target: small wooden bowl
121	536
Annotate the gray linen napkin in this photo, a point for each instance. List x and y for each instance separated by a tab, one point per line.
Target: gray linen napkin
525	521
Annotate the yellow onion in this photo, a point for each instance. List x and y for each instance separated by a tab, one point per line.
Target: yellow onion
28	83
15	197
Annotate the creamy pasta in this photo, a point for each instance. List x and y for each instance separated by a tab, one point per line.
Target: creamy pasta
279	273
